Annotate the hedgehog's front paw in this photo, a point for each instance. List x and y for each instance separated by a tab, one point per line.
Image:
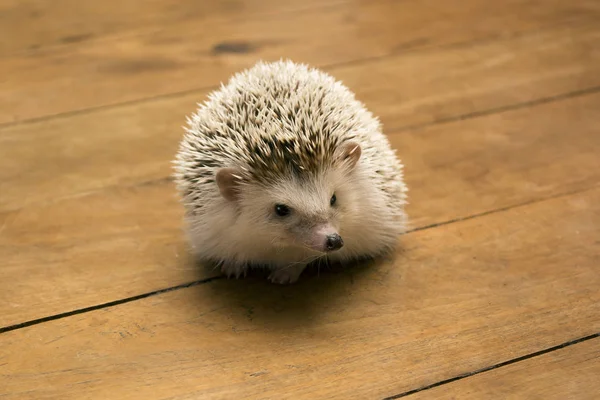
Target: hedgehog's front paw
286	275
233	270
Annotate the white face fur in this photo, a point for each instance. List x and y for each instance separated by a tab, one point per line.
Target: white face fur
309	216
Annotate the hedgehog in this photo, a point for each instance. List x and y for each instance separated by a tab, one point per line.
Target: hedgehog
282	167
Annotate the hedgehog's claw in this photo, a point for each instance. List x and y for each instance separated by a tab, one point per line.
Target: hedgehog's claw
286	275
233	271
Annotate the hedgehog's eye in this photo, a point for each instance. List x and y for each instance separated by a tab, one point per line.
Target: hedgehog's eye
333	200
282	210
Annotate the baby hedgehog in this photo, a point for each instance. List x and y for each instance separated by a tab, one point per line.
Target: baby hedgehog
282	167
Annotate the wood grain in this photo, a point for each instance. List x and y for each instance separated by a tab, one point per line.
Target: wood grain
569	373
192	54
458	298
101	246
36	24
90	151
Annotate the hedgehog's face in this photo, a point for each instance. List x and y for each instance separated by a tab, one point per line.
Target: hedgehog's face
303	213
300	214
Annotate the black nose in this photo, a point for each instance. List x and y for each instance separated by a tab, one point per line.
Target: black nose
334	242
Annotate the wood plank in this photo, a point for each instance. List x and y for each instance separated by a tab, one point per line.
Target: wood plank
101	246
90	151
569	373
449	304
183	58
35	24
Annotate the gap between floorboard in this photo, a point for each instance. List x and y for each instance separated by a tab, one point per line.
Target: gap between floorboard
325	67
462	117
496	366
106	305
499	110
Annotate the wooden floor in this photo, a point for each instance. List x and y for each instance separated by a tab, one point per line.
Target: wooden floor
494	107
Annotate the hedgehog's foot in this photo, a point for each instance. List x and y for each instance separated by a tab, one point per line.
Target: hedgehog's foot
233	270
287	274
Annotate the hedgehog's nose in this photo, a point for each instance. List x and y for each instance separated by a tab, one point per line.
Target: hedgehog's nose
334	242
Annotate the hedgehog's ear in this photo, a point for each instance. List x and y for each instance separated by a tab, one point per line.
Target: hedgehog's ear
349	153
228	180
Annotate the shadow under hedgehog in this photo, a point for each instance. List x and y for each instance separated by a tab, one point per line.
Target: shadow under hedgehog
282	167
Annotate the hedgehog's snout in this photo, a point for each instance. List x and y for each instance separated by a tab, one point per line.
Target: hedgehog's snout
334	242
325	239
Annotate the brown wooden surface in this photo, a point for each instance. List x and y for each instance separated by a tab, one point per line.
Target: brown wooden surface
458	298
493	108
569	373
28	25
122	68
436	85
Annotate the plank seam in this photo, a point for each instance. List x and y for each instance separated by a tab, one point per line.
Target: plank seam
325	67
502	209
214	278
106	305
499	110
393	131
496	366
